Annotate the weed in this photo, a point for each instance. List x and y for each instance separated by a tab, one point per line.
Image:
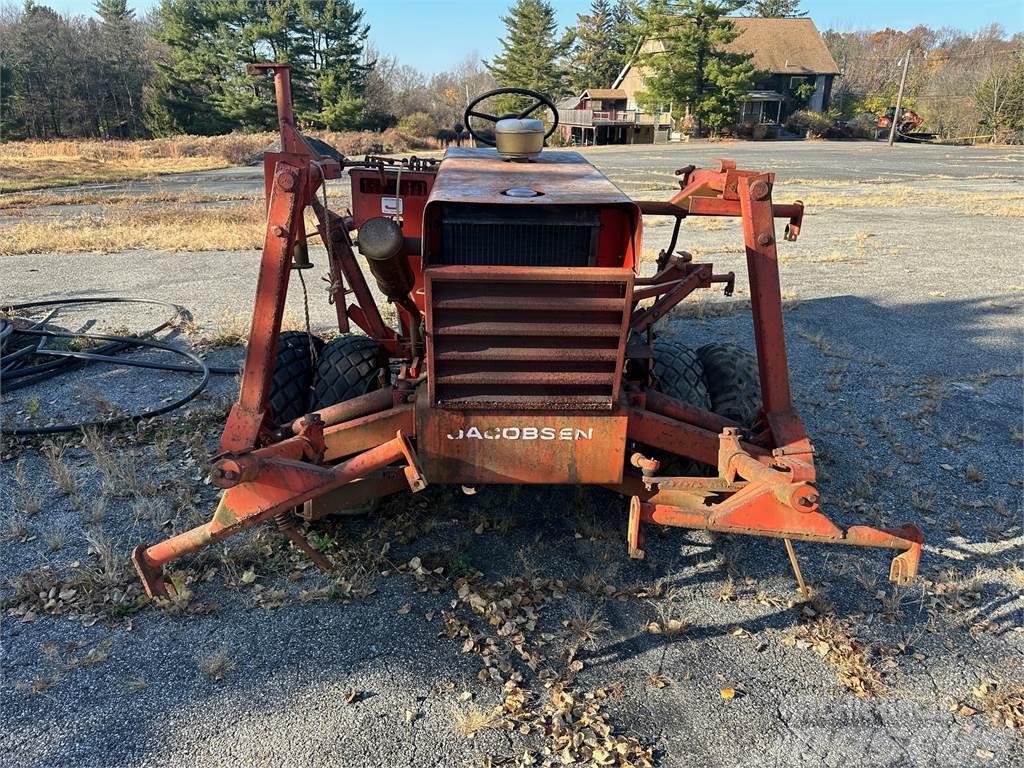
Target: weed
216	664
973	474
1003	703
16	529
55	538
136	684
63	477
583	628
472	720
923	499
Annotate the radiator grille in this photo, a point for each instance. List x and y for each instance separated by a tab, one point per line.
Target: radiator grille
482	235
547	339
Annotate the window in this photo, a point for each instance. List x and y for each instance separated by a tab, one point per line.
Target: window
796	82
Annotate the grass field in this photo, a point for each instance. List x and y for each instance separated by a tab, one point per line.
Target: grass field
27	165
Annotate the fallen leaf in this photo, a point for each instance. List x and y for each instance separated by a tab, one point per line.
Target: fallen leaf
728	693
405	609
249	576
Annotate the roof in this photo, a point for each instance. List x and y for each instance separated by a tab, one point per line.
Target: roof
604	93
783	46
778	46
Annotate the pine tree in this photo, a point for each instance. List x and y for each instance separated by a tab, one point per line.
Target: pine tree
594	62
532	53
693	71
627	34
123	69
334	37
775	9
204	87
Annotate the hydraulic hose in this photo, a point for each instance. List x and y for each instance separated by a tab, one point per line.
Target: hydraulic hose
14	375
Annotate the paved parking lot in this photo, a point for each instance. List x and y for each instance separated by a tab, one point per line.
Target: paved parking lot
904	297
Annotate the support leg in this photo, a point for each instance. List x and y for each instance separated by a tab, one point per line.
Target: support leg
285	211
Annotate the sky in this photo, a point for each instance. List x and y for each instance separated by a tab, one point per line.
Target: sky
434	35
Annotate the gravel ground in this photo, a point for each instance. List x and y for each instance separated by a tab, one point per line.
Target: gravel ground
905	340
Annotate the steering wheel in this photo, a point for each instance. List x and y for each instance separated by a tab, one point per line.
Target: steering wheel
540	100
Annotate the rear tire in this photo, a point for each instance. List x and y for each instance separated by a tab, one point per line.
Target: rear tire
678	373
733	382
349	366
292	382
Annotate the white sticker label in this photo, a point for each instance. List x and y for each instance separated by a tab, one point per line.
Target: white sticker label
391	206
524	433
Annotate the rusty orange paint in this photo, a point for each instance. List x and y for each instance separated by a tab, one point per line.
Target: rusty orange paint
523	378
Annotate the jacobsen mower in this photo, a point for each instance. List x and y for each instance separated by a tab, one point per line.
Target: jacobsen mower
524	350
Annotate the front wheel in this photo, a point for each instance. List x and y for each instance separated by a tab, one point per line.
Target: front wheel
349	366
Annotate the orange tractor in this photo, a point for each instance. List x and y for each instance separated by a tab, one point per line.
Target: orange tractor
524	349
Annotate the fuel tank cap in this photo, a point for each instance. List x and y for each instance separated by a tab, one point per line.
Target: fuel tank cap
521	192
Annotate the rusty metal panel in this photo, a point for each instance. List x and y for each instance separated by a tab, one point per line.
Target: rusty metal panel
480	176
471	447
543	338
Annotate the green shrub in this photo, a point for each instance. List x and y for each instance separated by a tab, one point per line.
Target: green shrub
418	124
812	124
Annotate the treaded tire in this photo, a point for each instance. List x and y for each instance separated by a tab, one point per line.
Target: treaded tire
678	373
349	366
292	382
733	381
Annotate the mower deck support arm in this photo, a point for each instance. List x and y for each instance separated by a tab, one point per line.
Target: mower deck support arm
279	485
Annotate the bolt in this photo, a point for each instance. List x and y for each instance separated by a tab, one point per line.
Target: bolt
764	239
286	180
730	432
759	190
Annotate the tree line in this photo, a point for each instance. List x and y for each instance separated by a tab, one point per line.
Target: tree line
180	68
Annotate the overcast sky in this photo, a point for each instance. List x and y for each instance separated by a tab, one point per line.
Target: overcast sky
433	35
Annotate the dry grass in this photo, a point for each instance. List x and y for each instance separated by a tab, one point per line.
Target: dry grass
1003	703
216	664
19	202
174	227
862	195
472	720
32	172
63	477
39	164
584	628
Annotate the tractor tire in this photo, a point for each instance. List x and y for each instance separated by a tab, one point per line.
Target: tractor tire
349	366
733	382
678	373
292	382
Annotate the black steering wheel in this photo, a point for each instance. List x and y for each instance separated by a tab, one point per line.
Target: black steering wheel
540	100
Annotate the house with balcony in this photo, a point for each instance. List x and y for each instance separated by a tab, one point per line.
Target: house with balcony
793	69
603	116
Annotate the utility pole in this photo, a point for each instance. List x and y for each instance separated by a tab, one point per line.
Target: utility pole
899	100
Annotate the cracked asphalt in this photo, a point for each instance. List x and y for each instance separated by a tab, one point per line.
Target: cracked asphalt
904	303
